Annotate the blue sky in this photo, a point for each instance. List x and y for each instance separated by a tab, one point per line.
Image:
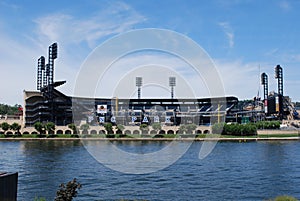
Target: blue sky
243	37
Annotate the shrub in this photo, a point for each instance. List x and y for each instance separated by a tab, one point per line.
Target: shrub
50	127
67	192
108	127
39	199
156	126
73	127
144	128
120	128
190	128
268	124
158	136
5	126
85	128
250	129
182	129
234	129
16	127
110	135
218	128
284	198
39	127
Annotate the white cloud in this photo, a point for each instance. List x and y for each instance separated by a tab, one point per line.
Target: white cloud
17	65
228	32
73	34
118	18
154	67
18	56
284	5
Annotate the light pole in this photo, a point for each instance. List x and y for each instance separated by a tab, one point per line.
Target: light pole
139	83
172	84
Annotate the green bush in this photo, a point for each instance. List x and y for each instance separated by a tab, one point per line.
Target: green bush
284	198
144	128
85	128
268	124
234	129
219	128
190	128
182	129
249	129
158	136
5	126
39	199
156	126
110	136
120	128
74	128
67	191
109	128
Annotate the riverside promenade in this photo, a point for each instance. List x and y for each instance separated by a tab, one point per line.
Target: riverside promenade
213	137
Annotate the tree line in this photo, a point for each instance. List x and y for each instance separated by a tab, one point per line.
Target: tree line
9	110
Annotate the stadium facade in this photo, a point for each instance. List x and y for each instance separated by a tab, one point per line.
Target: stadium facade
47	104
63	110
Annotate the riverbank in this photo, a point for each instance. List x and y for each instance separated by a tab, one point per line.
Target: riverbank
222	139
262	135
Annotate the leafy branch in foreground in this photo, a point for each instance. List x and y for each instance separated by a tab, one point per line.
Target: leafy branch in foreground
67	191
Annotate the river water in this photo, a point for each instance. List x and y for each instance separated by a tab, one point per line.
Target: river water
232	171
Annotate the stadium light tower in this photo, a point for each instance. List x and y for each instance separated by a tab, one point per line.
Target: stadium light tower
172	84
279	76
50	76
279	100
264	82
139	83
41	68
52	56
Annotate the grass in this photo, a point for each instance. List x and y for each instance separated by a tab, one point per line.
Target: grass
279	135
283	198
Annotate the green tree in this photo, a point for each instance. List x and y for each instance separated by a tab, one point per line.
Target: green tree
10	110
156	126
190	128
144	128
15	127
218	128
67	191
120	128
39	127
50	127
85	128
73	127
5	126
109	128
182	129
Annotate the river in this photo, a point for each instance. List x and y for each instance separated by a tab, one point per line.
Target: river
232	171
